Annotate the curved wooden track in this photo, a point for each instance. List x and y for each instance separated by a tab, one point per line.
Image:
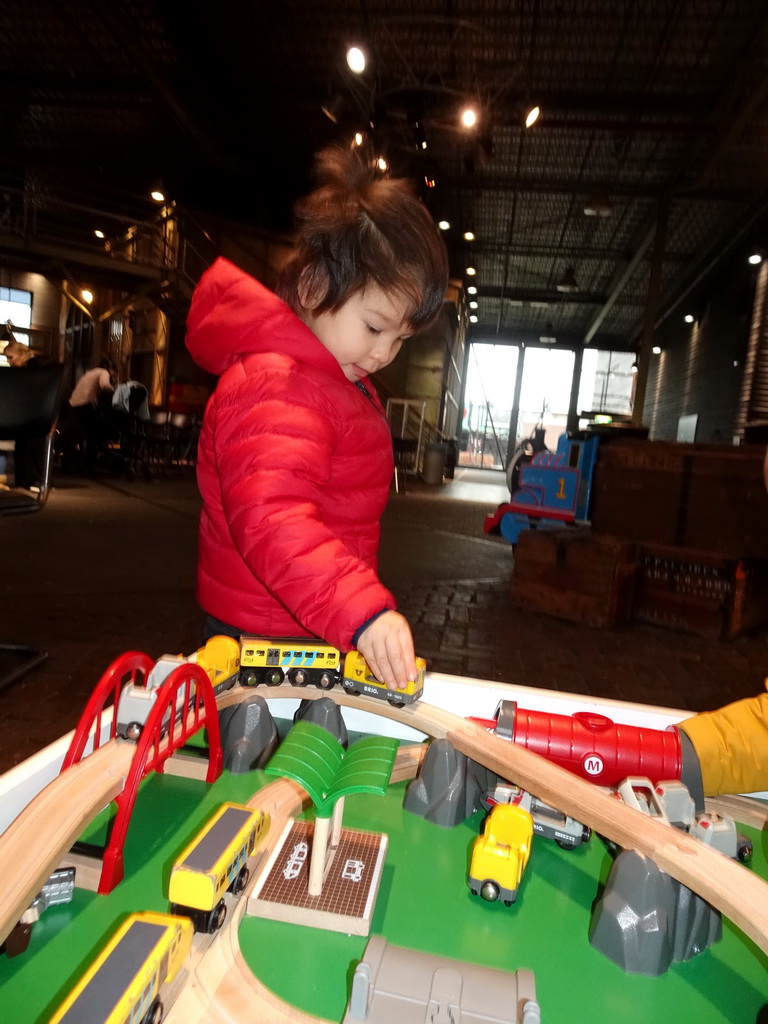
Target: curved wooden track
221	987
30	848
745	809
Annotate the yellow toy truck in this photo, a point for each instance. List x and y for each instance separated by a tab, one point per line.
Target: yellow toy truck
500	854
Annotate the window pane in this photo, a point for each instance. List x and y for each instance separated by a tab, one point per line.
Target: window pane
606	382
546	393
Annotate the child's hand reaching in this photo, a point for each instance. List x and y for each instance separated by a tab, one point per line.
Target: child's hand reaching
387	646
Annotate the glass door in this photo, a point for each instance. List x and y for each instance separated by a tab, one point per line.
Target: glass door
488	399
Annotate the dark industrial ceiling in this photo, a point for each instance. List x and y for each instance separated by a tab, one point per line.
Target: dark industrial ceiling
644	106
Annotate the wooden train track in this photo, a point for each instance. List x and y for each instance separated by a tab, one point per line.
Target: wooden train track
30	848
745	809
222	988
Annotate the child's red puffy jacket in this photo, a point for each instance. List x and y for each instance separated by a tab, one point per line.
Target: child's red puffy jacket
294	466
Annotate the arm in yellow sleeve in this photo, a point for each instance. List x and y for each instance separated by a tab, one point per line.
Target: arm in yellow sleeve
732	746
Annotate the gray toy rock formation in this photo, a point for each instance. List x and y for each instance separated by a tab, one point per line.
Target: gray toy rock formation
646	919
248	735
325	713
447	790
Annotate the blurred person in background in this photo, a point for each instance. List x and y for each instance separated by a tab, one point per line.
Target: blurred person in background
83	426
29	453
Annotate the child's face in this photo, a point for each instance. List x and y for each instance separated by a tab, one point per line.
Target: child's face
365	333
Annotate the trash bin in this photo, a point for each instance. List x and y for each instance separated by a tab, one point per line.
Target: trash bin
451	457
434	463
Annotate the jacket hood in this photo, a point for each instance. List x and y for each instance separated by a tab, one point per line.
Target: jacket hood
233	315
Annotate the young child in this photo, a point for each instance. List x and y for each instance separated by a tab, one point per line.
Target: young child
295	455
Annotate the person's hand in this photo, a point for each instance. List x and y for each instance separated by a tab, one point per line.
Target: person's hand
387	646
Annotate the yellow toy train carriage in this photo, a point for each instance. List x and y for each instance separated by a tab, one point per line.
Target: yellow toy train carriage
358	678
295	660
220	658
124	983
215	862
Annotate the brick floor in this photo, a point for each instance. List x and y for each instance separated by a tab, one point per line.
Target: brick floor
109	567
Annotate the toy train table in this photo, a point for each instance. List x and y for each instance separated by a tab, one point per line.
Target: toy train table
257	969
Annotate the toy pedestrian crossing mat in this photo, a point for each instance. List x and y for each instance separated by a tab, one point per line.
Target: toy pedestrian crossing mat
350	885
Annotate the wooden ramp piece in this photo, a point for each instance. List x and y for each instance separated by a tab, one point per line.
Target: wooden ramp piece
32	845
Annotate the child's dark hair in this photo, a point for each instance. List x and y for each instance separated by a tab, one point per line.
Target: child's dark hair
359	227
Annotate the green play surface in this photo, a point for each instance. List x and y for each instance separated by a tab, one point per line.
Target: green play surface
424	903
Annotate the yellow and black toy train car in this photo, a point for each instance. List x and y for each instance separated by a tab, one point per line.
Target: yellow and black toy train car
216	862
301	662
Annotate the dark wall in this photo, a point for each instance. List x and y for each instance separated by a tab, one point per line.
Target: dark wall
701	365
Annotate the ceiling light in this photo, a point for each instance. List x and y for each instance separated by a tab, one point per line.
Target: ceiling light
548	338
472	290
471	271
598	205
356	60
98	233
382	164
755	258
532	116
474	304
469	117
157	195
358	139
568	282
656	350
469	236
443	224
689	318
87	296
473	319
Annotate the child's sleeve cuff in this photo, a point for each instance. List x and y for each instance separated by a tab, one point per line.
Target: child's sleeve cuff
361	629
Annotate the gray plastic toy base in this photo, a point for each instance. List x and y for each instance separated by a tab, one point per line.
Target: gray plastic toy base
393	985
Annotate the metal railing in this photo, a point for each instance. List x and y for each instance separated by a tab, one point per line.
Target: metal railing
407	420
171	241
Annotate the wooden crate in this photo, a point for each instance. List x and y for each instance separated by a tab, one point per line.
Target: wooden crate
700	592
571	574
708	497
